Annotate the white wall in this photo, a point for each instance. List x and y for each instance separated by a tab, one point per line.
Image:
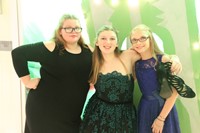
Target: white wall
10	92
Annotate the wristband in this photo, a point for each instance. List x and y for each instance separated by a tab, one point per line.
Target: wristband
160	118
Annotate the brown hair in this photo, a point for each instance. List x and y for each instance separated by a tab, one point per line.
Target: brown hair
97	58
59	39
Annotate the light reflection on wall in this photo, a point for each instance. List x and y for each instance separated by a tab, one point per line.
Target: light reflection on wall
196	45
198	14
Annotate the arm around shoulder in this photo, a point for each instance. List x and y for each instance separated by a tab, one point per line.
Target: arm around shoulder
134	55
130	55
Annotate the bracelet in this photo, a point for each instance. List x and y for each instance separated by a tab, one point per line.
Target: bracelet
159	125
160	118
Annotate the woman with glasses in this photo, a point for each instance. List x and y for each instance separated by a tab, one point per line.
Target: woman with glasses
155	113
55	102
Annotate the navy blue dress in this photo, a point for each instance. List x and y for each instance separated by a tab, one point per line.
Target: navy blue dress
111	109
151	103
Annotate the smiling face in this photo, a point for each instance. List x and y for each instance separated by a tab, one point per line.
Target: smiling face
107	41
143	42
73	36
140	41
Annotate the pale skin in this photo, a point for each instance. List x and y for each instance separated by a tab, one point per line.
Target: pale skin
143	48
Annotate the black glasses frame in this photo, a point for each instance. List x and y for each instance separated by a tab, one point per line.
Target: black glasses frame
141	39
70	29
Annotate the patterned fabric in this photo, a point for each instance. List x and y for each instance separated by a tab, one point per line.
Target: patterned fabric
111	109
151	103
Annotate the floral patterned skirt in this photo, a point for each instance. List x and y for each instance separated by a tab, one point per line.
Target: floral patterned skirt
104	117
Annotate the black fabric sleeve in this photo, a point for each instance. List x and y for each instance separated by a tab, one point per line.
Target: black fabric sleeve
29	52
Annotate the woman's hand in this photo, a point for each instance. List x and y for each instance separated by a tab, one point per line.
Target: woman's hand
30	83
157	126
176	66
33	83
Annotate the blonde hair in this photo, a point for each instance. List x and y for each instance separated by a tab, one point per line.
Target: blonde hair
58	38
97	58
153	45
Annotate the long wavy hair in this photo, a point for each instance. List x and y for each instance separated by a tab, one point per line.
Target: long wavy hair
58	39
97	57
153	45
